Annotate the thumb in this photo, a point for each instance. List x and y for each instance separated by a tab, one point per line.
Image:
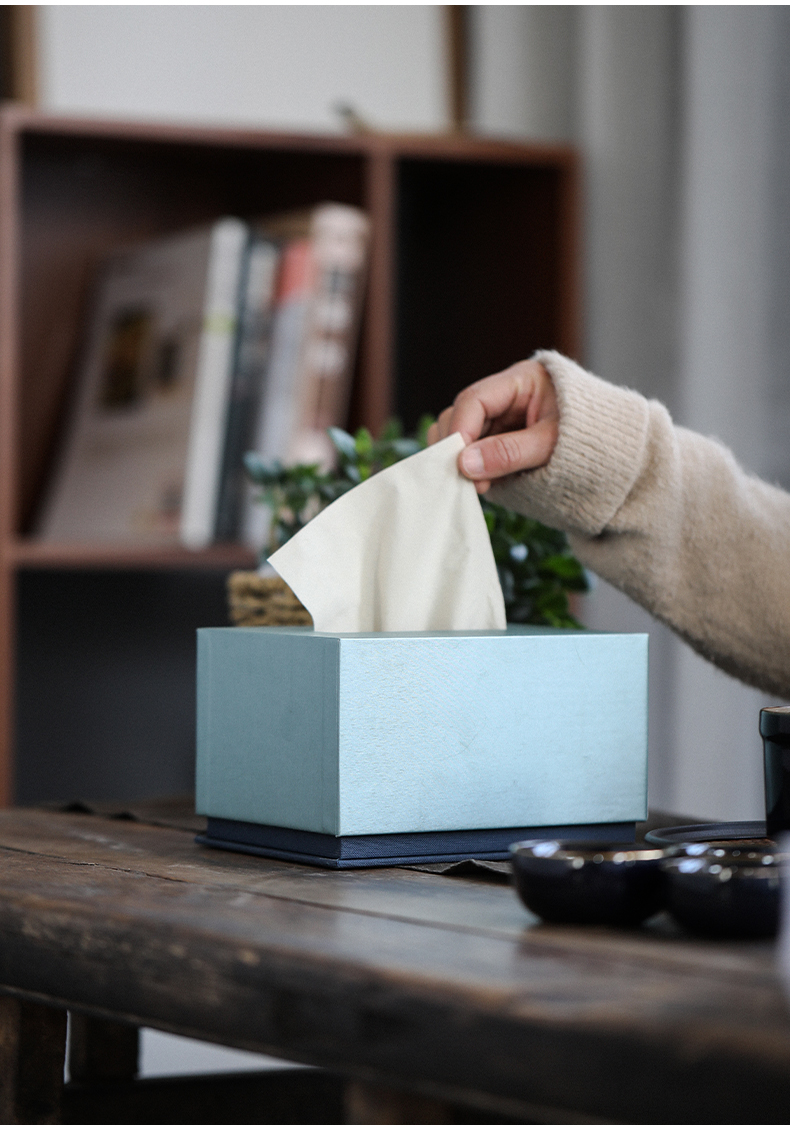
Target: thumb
511	452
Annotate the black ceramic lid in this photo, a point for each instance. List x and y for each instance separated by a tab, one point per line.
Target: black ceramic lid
775	720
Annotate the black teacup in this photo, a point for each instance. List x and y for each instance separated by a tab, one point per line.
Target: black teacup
566	881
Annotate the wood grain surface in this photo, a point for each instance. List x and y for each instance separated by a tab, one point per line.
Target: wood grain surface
445	986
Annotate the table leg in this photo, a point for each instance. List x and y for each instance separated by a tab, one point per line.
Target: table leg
101	1050
32	1053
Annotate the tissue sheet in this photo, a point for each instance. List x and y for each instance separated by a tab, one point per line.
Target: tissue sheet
407	550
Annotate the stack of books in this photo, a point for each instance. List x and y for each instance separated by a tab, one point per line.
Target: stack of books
200	347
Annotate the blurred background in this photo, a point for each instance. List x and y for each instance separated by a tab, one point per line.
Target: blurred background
682	118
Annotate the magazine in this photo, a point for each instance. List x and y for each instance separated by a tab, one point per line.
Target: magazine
141	459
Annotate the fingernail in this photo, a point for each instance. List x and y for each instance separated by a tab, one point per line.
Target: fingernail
472	462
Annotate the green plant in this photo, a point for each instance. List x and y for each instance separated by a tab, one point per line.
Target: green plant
294	494
536	568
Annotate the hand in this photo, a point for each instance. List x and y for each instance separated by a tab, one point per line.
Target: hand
511	420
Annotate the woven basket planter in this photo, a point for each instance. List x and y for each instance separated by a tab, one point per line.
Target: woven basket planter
264	601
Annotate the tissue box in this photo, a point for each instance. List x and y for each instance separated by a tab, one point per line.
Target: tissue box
362	749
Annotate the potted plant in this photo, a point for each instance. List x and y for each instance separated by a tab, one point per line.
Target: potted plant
536	568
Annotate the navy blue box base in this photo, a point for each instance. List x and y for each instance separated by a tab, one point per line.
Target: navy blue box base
397	848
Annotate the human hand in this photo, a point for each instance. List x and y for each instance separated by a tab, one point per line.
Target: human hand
509	421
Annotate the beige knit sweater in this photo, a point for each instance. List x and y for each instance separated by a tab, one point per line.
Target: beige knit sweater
670	518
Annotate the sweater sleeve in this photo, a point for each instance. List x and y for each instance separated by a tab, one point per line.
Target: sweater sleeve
668	517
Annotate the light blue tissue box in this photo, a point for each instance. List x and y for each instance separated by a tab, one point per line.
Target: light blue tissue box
349	734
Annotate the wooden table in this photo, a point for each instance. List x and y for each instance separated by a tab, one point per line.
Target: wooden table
425	992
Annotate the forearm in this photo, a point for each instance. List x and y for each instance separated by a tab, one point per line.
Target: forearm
668	517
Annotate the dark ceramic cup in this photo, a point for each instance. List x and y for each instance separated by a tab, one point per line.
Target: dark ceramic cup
571	882
720	892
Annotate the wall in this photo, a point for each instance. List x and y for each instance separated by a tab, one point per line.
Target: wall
272	65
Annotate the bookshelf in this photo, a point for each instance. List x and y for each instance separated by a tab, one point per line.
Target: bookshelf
474	264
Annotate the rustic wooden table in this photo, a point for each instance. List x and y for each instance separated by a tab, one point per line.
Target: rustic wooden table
423	996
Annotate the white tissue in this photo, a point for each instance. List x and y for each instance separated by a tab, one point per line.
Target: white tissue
407	550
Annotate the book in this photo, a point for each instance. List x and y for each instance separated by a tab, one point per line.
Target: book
142	456
317	310
208	425
249	371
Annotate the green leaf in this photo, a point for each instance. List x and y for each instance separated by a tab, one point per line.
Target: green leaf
423	426
405	447
393	430
260	472
566	568
343	442
363	440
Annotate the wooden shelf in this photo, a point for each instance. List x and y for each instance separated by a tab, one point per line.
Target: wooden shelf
39	554
474	264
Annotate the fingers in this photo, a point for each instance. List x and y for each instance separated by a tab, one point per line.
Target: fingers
441	427
508	420
493	404
507	400
512	452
